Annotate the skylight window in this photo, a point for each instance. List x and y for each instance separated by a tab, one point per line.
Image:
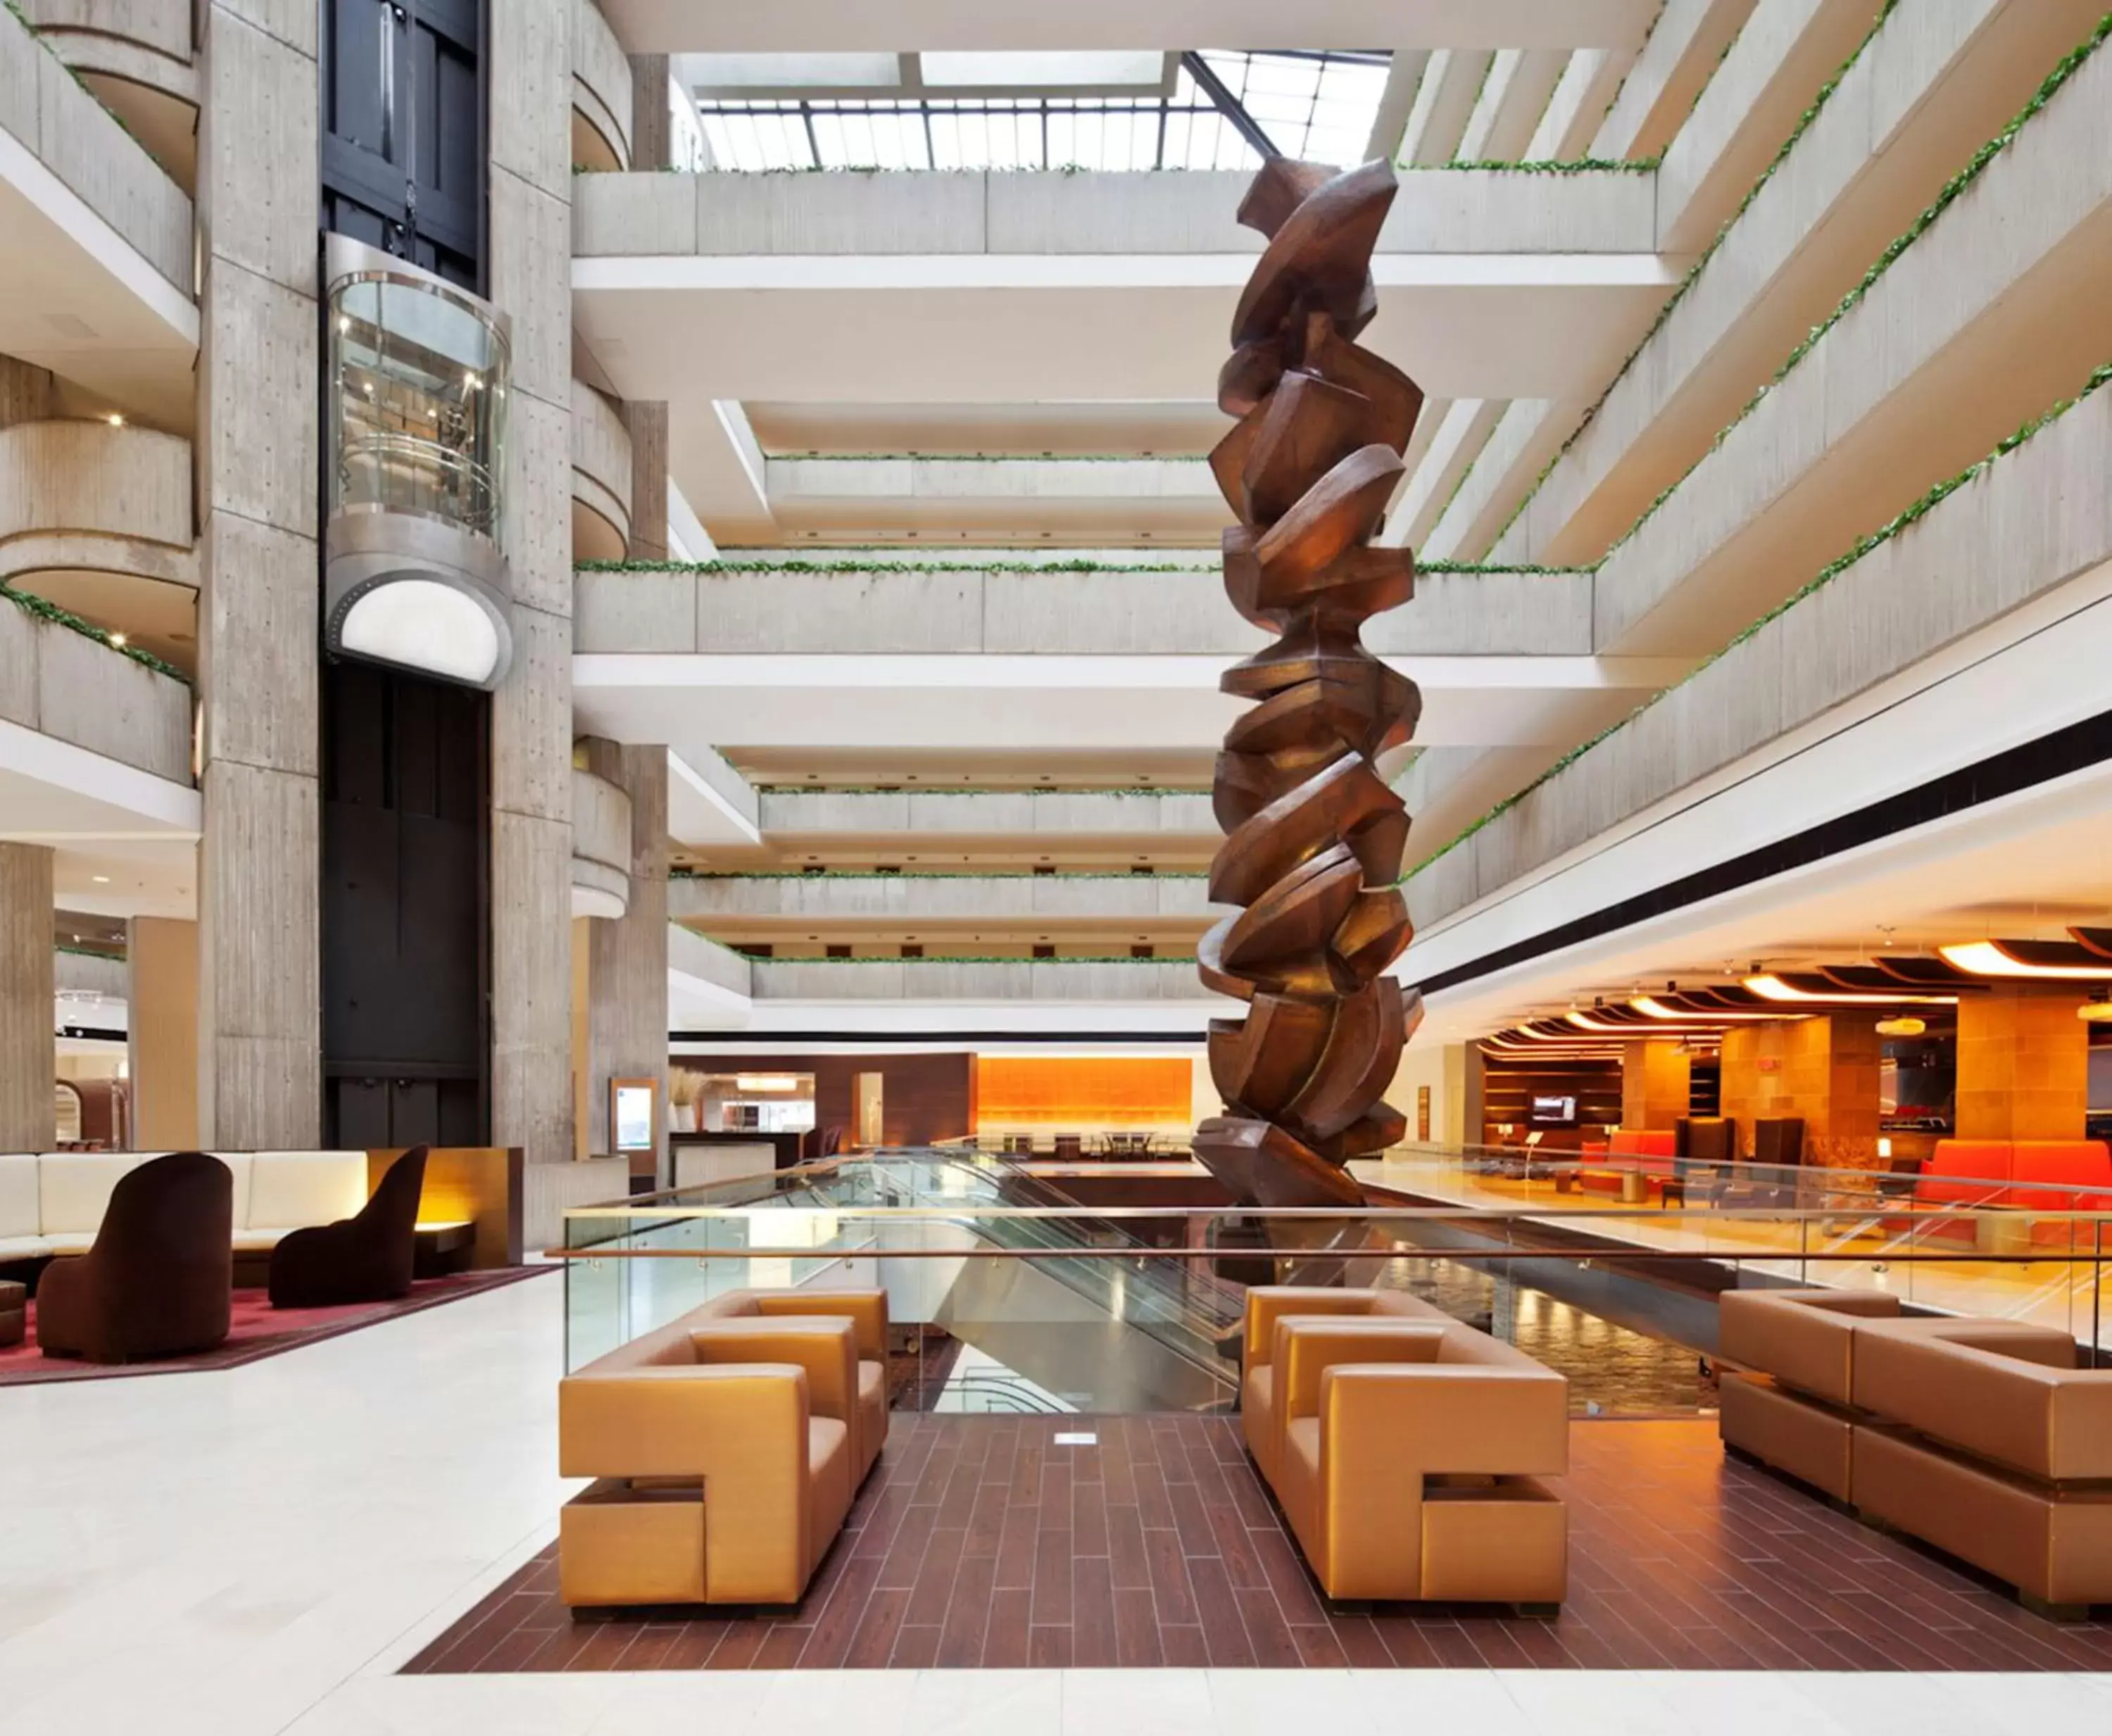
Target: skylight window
1318	106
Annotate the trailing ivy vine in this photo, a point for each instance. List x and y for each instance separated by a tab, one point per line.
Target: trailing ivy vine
728	568
44	609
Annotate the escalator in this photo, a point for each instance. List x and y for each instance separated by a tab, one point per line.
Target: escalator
1099	1330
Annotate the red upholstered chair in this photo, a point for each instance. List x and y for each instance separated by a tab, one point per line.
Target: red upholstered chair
1967	1172
1648	1150
159	1279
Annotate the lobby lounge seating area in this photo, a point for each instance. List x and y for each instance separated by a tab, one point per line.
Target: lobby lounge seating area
1980	1437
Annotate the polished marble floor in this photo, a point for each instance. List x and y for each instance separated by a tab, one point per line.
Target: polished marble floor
262	1550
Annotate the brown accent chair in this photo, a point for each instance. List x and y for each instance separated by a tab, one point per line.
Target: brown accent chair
159	1279
727	1447
1409	1453
365	1258
1980	1437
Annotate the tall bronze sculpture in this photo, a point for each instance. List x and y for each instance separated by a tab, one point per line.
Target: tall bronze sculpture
1314	835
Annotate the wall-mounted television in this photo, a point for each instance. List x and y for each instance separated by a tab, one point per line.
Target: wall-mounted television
1554	1112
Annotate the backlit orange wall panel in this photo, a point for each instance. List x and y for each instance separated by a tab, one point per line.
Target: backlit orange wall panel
1082	1091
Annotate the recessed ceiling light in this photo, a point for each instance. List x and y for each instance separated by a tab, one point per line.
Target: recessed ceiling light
100	880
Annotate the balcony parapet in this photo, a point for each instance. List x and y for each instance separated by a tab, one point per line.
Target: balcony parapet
73	688
137	58
83	144
980	980
601	92
601	477
601	846
89	496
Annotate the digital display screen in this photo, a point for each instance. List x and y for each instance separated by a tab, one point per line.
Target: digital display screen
1561	1110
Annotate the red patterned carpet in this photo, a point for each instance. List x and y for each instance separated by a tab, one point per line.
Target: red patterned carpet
978	1542
257	1330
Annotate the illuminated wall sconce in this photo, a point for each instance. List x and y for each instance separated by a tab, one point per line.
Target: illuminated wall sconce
2095	1012
1902	1027
414	571
1884	1147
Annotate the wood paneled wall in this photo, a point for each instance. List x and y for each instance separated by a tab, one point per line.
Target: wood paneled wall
925	1097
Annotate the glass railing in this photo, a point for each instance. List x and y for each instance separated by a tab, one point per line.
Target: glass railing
1115	1309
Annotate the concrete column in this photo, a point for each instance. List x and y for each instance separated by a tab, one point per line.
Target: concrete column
531	714
627	978
260	1075
26	392
1654	1081
162	1003
1461	1116
28	1054
652	122
647	424
1824	1070
2024	1063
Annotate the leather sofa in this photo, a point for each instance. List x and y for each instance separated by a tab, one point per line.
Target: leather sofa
1980	1437
1405	1449
727	1449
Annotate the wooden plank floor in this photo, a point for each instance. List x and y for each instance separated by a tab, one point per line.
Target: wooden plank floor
979	1543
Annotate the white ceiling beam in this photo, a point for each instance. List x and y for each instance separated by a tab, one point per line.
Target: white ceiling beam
1516	94
1396	102
1685	45
1589	81
1444	105
884	26
1458	438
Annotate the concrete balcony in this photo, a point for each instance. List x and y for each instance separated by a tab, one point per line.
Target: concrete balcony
95	278
601	846
601	477
990	288
979	979
1018	826
963	610
136	57
601	92
92	743
1995	310
97	520
1061	499
1111	910
1927	90
1991	606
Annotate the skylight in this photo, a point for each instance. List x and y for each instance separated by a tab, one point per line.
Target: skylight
1319	106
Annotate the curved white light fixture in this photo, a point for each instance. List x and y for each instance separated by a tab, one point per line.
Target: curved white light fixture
1653	1008
1770	988
1987	959
422	624
1634	1033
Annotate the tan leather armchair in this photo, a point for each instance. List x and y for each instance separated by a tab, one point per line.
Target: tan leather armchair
866	1310
1980	1437
726	1447
1406	1454
1260	1417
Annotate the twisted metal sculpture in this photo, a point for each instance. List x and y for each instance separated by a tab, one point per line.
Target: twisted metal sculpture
1314	835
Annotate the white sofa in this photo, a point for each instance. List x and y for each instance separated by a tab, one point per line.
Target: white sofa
53	1202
